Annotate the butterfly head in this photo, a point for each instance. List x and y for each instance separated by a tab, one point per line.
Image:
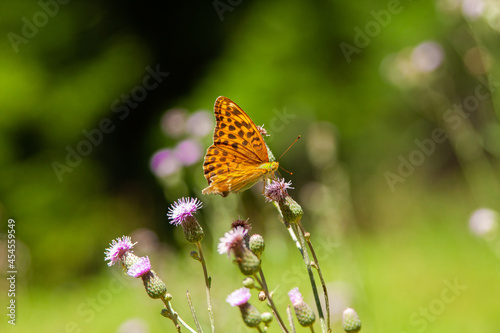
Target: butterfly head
270	167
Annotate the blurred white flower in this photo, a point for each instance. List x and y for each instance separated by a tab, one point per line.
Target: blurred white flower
200	124
427	56
173	122
472	9
483	221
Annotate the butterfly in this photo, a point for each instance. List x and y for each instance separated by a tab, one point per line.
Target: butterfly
238	158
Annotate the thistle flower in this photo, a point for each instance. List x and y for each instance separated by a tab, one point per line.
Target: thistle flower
182	213
276	190
118	249
351	321
251	316
262	130
155	287
234	241
140	267
303	312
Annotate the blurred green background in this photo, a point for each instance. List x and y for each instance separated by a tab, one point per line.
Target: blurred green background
397	168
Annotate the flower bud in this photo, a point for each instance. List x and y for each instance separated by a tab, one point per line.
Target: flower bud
351	321
155	287
305	315
267	317
248	262
257	244
290	210
250	315
249	283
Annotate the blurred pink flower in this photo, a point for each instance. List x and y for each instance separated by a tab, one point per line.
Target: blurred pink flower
173	122
164	162
188	152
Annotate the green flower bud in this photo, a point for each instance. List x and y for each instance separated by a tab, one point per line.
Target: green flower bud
155	287
257	244
248	262
193	232
250	315
351	321
290	210
249	283
305	315
267	318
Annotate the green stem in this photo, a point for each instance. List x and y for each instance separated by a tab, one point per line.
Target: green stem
307	261
323	284
176	319
263	284
290	319
207	287
193	312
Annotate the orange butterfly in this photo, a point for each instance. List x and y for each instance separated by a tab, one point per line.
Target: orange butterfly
238	158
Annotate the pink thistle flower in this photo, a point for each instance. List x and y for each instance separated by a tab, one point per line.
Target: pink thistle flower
139	268
118	248
277	190
232	239
239	297
295	296
183	209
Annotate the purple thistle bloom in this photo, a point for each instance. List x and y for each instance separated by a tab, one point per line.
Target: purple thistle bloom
295	296
262	131
141	267
277	190
117	249
239	297
164	162
188	152
233	238
183	209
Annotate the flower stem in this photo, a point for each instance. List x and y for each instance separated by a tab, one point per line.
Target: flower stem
174	316
307	261
263	284
193	312
207	285
290	318
323	284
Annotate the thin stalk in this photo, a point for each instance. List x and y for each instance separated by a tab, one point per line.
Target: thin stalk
193	312
323	284
290	319
176	319
263	284
307	261
207	287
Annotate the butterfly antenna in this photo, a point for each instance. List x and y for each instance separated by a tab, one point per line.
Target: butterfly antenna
288	150
291	173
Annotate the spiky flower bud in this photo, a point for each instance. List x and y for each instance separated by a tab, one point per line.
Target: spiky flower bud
351	321
248	262
305	315
290	210
257	244
250	315
155	287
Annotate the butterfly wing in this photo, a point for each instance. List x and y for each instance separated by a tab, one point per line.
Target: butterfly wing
233	162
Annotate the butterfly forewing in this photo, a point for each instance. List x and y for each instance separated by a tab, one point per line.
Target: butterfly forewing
233	161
